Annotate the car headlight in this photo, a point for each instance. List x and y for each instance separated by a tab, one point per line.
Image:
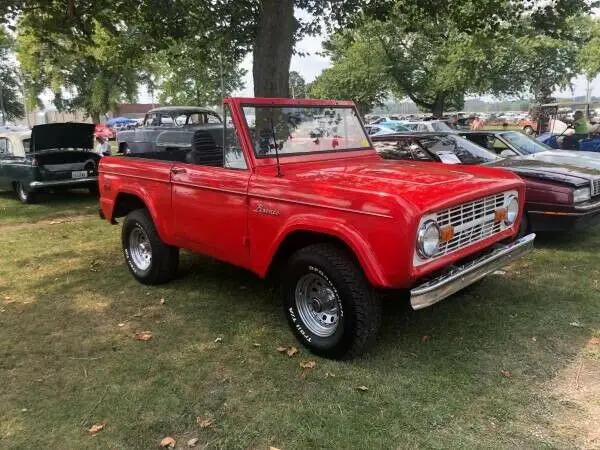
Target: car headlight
512	210
581	195
428	239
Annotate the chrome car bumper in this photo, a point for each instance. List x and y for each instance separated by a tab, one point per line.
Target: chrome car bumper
65	182
460	277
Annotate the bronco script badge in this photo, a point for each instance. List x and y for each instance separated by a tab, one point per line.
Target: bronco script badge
261	209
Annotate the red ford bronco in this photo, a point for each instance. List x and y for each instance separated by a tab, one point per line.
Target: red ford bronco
294	190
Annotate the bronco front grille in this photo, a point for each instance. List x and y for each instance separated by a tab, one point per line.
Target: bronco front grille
595	187
472	222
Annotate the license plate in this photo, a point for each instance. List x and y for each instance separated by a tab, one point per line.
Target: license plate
79	174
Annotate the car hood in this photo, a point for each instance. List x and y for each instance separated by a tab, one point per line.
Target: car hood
562	167
371	183
62	135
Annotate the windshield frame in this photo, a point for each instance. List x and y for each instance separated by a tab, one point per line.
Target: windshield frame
305	105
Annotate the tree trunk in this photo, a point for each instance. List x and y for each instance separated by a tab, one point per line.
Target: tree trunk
437	108
273	48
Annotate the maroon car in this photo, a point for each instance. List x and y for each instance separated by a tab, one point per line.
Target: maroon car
559	196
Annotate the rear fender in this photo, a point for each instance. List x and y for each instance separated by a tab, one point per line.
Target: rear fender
146	199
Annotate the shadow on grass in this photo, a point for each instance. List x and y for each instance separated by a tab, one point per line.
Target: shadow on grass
47	206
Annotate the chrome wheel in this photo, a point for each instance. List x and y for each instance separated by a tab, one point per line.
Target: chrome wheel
140	250
317	305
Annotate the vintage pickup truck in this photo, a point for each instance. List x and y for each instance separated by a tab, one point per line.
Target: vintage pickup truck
295	191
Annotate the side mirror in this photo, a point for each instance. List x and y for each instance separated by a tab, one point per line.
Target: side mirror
506	153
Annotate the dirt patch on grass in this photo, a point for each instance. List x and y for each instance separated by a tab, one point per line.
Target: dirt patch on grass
578	390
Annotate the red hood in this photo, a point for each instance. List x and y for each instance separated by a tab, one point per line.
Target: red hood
375	185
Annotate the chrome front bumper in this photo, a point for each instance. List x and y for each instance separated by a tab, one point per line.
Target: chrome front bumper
65	182
460	277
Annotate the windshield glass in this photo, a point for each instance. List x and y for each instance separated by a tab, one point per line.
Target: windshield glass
441	126
398	128
524	144
455	149
304	129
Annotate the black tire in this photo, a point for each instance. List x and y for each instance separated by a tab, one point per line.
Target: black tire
358	304
24	196
164	259
528	130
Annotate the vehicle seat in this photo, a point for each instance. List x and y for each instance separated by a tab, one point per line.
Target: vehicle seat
205	151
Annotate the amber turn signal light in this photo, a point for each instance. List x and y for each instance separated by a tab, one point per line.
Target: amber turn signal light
446	233
500	215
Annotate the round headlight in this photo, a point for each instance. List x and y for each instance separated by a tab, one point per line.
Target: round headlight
428	239
512	210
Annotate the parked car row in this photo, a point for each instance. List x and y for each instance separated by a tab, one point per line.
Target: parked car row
295	191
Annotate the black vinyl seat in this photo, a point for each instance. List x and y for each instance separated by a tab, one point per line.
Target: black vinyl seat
205	150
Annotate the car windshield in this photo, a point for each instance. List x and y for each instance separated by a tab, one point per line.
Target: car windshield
524	144
455	149
441	127
398	128
304	129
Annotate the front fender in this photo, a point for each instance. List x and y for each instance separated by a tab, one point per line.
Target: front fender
336	228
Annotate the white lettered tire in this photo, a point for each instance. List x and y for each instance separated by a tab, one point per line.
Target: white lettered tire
329	304
148	258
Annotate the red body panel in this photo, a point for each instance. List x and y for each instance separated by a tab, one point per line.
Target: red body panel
243	216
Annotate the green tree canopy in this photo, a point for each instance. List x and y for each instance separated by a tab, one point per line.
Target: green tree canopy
437	52
589	56
358	72
11	107
298	87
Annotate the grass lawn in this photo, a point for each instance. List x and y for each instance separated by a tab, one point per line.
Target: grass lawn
513	362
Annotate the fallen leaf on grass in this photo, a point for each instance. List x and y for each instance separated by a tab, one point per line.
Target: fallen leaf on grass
204	423
594	341
168	442
162	301
121	324
273	448
329	375
256	344
308	364
506	373
281	349
576	324
143	336
96	428
8	301
499	272
362	388
192	442
291	351
219	339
